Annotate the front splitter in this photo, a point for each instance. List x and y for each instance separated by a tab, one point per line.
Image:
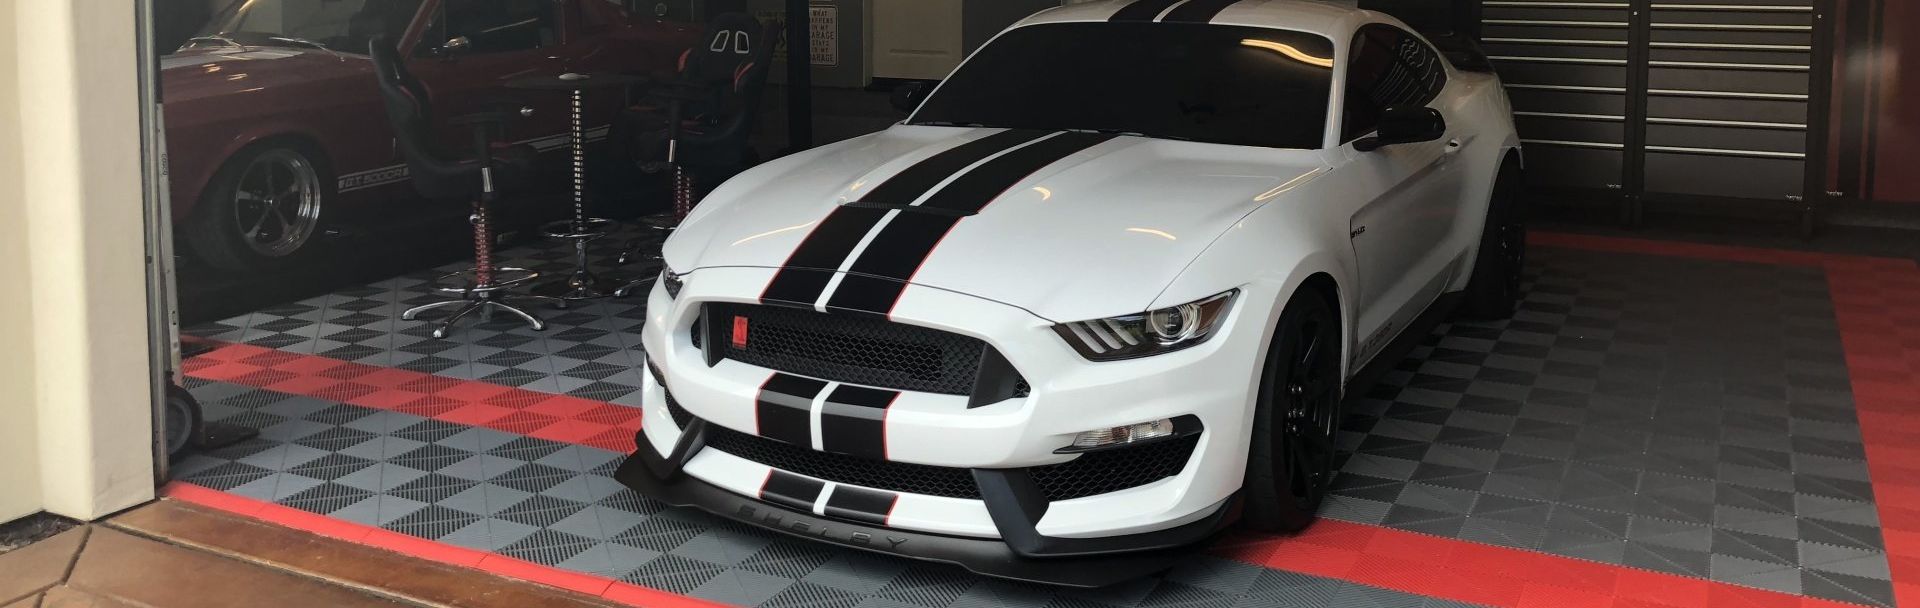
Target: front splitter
661	479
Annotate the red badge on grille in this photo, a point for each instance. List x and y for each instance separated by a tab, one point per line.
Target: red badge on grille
739	332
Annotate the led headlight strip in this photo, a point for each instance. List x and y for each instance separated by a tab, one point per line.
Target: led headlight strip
1149	333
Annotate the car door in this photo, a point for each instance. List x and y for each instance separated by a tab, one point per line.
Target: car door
470	49
1412	190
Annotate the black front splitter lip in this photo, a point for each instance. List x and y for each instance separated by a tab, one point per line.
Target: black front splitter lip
989	557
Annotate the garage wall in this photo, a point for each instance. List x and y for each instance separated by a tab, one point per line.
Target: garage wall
74	377
19	461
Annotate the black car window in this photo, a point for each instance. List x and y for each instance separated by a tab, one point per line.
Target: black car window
339	25
496	26
1388	67
1190	81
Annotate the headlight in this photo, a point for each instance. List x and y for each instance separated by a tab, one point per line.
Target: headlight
1149	333
672	281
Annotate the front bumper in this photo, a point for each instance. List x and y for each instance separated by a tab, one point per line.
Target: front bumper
1023	554
1006	529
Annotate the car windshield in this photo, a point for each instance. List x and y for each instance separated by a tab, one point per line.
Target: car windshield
1196	82
338	25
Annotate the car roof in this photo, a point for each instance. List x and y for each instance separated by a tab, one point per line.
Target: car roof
1335	21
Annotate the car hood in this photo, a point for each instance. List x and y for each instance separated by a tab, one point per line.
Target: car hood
193	74
1098	233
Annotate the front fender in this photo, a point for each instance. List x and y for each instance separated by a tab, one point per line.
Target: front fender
1269	255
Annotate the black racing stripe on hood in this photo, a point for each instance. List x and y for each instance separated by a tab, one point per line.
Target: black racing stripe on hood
1143	10
829	244
1198	11
825	248
909	185
879	275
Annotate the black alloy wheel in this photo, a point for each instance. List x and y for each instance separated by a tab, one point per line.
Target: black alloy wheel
1494	292
1291	459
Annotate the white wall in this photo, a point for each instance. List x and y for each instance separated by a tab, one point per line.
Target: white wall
916	38
73	332
19	453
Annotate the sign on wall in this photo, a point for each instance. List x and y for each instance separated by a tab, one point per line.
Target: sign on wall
824	21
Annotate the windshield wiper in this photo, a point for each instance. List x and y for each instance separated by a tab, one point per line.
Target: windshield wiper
214	38
303	41
1130	134
946	123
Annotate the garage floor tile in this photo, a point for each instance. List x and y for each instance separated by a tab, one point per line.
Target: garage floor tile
1625	416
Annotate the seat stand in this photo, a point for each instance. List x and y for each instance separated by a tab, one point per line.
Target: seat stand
483	288
662	227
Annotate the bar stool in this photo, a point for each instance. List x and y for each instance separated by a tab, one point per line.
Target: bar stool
582	283
483	288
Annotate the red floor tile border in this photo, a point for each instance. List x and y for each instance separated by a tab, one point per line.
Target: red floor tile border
561	418
1453	569
599	586
1876	302
1677	249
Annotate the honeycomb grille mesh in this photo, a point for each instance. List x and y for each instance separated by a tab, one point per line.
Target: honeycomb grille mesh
1113	470
681	417
846	348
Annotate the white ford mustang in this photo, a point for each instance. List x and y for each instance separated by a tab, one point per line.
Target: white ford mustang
1098	298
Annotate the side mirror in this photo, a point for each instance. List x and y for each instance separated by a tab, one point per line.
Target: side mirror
455	45
907	97
1404	125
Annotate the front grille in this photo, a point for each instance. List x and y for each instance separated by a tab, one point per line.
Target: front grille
1097	473
1089	475
877	474
847	348
681	417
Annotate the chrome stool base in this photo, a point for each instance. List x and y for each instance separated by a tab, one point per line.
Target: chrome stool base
482	298
635	286
582	283
661	226
579	285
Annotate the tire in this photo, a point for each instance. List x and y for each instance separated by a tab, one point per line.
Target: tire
263	208
1493	293
1290	460
183	420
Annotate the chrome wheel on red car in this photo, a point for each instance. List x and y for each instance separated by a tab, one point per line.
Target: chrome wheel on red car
277	205
263	208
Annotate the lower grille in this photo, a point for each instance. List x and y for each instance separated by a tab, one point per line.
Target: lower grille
681	417
876	474
1089	475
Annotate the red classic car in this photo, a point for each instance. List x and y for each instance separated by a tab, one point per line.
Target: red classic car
274	122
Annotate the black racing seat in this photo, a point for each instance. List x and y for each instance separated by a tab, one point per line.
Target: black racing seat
436	171
718	89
